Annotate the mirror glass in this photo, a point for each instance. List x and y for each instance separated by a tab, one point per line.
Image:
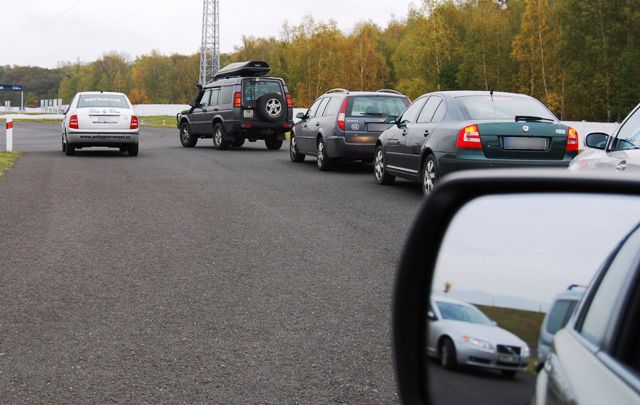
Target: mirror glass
503	261
597	140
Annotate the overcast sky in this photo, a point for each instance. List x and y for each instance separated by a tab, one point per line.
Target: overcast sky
45	32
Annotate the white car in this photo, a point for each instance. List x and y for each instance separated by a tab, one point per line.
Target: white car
102	119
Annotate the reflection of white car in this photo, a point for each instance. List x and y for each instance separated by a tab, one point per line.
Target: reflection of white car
100	119
460	333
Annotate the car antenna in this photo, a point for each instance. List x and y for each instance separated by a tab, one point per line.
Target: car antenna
492	103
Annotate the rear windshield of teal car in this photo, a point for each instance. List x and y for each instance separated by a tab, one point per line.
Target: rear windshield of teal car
102	101
559	315
501	107
253	90
376	106
464	313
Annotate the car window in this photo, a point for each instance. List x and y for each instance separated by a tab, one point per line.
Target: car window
429	109
376	106
559	315
322	107
254	89
314	108
629	134
204	101
333	107
102	100
598	314
226	95
411	113
441	111
215	94
464	313
502	107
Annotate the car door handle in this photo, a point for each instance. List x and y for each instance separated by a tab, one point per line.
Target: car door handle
622	165
317	124
404	132
426	132
215	109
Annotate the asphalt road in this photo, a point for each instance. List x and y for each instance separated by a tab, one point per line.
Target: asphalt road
196	275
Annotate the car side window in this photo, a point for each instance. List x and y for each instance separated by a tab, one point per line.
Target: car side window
441	111
204	101
333	107
595	323
629	134
429	109
314	108
215	94
410	115
322	107
226	95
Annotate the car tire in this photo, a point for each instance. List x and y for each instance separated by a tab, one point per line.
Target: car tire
429	174
218	137
509	373
124	149
134	149
447	354
64	145
380	168
325	163
272	107
70	150
238	142
294	153
273	143
187	139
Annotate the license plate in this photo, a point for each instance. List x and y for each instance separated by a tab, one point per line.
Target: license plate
524	143
508	358
247	113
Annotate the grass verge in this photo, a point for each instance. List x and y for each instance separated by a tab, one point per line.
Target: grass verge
7	159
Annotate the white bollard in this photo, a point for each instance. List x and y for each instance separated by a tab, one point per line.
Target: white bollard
9	142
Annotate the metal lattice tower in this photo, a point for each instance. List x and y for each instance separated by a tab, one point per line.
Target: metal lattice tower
210	49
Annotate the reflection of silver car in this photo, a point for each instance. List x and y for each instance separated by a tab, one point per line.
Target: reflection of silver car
100	119
460	333
561	310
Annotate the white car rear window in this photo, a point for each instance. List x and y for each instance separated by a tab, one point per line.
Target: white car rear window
102	100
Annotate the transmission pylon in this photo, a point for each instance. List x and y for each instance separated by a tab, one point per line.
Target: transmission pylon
210	49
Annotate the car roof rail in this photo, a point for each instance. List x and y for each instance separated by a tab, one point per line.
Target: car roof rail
572	286
337	90
389	91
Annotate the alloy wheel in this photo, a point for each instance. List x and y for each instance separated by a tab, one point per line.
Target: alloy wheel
429	177
379	164
274	107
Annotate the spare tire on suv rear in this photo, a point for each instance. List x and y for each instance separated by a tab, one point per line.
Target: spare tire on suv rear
272	107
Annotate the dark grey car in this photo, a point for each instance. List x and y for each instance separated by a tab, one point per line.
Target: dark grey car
344	125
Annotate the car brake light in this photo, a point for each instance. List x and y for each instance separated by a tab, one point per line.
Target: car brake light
469	138
237	99
134	122
73	122
572	140
342	115
289	100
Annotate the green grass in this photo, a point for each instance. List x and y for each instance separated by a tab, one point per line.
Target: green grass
37	121
158	121
7	159
524	324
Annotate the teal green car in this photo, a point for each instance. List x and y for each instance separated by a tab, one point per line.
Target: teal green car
447	131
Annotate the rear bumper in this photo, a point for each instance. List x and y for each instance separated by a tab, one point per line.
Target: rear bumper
449	164
108	139
259	129
338	147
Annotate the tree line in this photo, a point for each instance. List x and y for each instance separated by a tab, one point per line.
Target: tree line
579	57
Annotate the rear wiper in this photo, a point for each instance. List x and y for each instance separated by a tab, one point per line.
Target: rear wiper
532	118
375	114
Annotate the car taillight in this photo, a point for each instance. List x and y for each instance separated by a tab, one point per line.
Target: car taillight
572	140
469	138
342	115
73	122
289	100
237	99
134	122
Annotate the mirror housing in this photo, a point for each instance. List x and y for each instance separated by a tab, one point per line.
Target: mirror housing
596	140
301	115
431	316
420	254
391	119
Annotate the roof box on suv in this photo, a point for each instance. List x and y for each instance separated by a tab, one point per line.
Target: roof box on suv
251	68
